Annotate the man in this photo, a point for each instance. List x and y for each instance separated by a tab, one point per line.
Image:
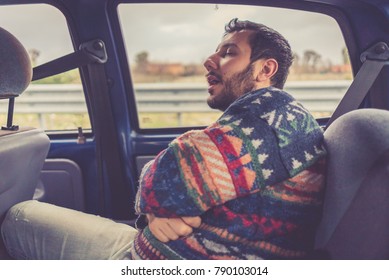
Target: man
248	186
255	176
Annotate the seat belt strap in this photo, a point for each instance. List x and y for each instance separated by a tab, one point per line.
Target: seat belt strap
108	157
60	65
89	52
374	59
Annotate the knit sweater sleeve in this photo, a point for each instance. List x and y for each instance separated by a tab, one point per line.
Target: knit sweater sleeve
204	168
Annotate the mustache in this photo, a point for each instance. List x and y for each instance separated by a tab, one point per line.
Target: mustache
213	73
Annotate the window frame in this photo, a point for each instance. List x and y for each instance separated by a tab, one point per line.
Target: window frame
334	12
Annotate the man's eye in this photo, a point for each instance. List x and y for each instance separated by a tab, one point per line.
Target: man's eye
229	53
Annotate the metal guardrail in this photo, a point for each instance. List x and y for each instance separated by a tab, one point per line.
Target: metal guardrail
316	96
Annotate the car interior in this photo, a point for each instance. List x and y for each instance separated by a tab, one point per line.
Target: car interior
100	175
23	149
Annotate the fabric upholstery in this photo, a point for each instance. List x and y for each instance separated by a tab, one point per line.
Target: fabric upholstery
23	150
355	213
22	155
15	66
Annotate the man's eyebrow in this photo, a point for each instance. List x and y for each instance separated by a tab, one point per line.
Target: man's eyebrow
226	45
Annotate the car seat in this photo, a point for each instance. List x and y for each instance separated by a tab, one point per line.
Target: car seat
22	149
355	221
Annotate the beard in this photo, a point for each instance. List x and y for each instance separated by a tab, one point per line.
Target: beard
234	87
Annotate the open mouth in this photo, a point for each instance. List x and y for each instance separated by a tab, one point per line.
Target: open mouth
213	79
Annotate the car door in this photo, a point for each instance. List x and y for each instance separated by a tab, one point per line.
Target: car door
57	101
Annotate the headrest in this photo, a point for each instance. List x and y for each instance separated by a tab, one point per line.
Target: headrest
15	66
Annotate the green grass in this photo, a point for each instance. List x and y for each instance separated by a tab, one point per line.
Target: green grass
50	121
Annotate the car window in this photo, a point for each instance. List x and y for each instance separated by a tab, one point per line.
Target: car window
167	45
53	103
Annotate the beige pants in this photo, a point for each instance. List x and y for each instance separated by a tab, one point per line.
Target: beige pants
36	230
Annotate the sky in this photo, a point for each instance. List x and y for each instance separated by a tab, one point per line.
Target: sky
175	32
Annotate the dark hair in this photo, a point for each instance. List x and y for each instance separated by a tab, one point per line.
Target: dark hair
266	43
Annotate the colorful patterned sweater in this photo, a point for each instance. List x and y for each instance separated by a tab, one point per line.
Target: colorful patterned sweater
255	177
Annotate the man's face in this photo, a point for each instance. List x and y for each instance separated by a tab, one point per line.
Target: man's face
230	73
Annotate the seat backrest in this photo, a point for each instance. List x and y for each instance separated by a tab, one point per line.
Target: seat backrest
355	221
22	150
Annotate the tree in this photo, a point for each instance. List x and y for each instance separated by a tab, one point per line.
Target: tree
345	56
34	54
142	61
296	66
311	60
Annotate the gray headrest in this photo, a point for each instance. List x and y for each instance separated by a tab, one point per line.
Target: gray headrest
15	66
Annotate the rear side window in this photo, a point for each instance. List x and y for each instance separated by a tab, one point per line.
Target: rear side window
168	43
53	103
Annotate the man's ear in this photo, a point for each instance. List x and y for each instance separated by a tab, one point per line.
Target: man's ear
265	69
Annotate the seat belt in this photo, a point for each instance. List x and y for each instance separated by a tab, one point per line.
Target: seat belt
62	64
373	60
108	159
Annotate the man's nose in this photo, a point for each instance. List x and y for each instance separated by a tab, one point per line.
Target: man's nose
211	63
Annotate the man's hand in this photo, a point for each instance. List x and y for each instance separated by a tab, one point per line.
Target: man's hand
167	229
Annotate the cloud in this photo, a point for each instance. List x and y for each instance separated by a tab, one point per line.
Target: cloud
173	32
183	32
40	27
